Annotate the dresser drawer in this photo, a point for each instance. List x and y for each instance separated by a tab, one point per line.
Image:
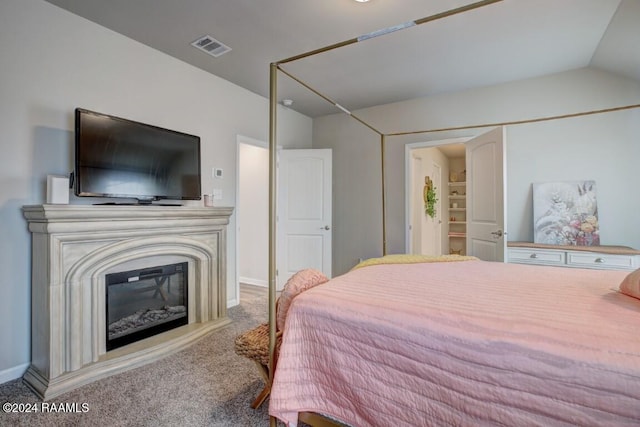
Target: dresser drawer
537	256
596	257
601	261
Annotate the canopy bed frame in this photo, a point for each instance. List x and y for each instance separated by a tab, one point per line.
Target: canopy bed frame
275	68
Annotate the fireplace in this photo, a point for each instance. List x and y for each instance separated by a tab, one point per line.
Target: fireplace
145	302
156	258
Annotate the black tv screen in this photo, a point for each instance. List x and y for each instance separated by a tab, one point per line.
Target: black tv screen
116	157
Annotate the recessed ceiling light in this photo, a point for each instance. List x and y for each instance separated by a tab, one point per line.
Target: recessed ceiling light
362	1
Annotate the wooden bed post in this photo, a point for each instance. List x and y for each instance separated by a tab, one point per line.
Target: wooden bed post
273	105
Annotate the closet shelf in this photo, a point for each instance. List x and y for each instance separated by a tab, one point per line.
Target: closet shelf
453	234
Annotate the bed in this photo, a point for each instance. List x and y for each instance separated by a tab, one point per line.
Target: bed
469	342
450	343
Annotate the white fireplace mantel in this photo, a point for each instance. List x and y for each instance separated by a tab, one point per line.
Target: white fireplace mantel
75	246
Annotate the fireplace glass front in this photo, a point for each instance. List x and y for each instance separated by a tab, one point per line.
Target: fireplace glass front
146	302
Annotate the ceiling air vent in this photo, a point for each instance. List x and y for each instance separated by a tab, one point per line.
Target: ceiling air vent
211	46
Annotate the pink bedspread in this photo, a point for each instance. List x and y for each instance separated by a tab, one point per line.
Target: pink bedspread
469	343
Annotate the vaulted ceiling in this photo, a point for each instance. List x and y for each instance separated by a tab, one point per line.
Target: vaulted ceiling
505	41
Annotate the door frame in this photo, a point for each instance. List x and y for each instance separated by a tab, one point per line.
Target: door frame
437	228
408	176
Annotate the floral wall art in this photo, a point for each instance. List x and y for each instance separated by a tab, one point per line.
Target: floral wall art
565	213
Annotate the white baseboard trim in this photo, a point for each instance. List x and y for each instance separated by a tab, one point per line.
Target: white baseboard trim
13	373
255	282
232	303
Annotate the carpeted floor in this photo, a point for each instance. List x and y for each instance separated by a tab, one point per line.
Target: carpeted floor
206	384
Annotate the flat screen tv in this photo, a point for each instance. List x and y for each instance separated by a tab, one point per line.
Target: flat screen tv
120	158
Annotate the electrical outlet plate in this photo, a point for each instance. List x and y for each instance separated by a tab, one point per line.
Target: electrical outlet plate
217	173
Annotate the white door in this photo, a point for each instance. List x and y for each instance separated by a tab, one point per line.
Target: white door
432	233
416	206
486	196
304	212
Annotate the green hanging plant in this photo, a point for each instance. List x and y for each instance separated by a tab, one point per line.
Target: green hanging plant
430	198
430	203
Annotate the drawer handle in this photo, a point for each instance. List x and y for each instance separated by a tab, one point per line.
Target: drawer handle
599	260
534	256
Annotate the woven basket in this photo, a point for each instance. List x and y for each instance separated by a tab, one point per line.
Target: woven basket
254	344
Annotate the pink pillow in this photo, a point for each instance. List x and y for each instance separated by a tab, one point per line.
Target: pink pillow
631	284
298	283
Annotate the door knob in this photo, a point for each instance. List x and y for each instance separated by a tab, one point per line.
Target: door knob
326	227
498	233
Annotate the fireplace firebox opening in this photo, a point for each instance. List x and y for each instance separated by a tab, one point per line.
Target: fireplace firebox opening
142	303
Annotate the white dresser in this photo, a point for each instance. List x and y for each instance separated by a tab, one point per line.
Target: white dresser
598	257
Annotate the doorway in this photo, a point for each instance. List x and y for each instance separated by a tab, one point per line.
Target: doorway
252	210
304	190
429	229
471	201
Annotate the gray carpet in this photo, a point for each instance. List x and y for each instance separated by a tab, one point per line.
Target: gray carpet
206	384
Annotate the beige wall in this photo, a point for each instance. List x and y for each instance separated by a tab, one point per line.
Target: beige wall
602	147
53	62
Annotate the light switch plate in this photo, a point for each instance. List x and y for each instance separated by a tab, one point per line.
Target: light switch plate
217	194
